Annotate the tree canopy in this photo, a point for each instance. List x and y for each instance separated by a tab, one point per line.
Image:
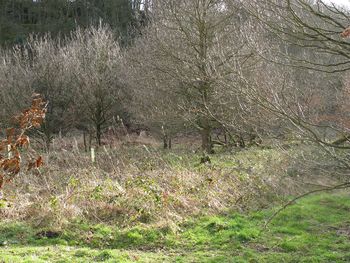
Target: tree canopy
19	18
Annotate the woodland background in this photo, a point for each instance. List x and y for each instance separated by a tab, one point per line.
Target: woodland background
174	131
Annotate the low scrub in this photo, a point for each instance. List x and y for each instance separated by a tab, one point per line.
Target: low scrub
136	184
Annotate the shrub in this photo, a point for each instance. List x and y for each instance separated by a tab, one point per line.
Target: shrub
11	161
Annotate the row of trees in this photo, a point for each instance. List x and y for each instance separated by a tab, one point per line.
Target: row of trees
78	77
209	61
190	61
247	69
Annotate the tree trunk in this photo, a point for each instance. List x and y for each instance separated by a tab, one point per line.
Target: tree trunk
241	142
169	143
85	143
98	134
165	142
207	145
90	139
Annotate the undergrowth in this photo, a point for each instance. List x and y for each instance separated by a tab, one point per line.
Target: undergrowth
142	184
317	229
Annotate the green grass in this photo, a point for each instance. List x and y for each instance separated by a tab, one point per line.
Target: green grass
316	229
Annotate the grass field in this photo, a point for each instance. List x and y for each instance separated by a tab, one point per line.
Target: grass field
316	229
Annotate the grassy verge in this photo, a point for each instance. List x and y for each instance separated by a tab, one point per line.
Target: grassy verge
316	229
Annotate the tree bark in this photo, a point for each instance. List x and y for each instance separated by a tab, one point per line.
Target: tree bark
165	142
98	134
207	145
240	142
85	143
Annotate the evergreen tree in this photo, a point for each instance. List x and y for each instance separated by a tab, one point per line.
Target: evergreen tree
19	18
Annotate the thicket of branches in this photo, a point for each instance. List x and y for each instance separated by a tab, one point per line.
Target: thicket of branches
315	36
79	77
250	71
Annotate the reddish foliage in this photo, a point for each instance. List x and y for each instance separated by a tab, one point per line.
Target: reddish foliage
10	156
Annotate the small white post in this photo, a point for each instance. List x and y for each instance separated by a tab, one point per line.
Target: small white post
76	146
93	157
9	152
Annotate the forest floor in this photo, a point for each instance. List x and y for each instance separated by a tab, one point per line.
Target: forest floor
315	229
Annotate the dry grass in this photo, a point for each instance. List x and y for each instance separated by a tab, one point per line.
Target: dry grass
134	183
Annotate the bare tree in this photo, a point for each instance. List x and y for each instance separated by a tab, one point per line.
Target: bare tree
78	76
16	81
94	59
151	106
314	30
311	41
52	79
191	47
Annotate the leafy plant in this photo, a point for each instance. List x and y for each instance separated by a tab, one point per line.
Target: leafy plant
11	161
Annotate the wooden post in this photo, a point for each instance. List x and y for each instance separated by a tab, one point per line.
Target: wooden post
76	146
93	156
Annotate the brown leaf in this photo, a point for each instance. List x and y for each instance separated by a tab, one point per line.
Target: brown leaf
11	166
22	141
31	117
9	134
39	162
